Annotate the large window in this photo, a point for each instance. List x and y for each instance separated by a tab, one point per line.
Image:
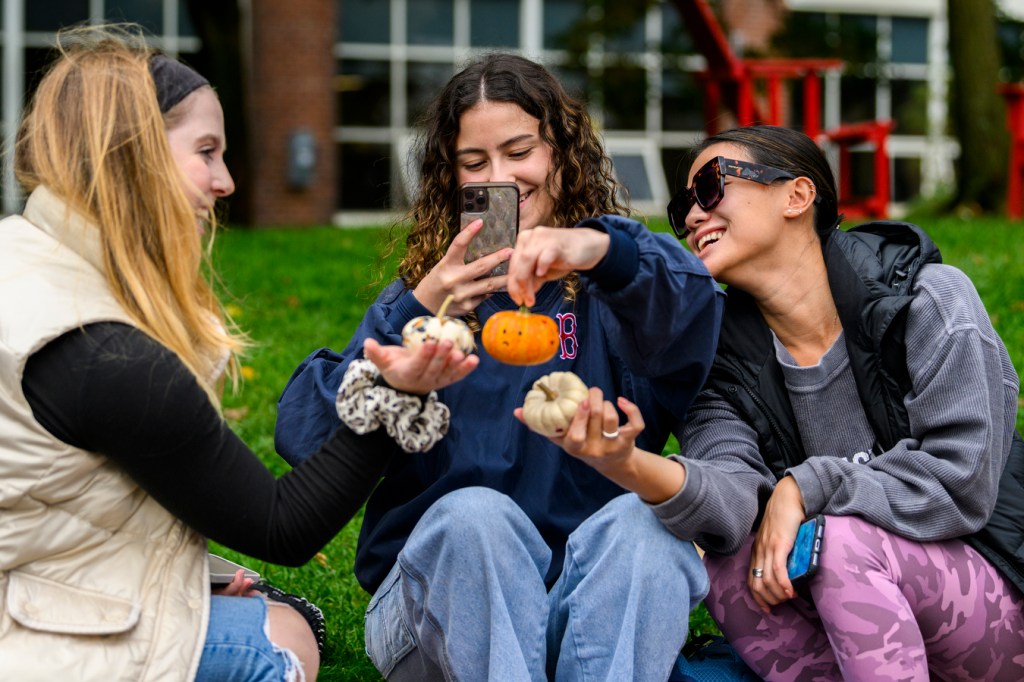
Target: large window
887	75
635	65
605	53
364	88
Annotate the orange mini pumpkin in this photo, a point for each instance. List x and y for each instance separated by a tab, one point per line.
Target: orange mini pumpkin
518	337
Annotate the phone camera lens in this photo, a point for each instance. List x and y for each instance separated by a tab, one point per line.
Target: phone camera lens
468	206
481	201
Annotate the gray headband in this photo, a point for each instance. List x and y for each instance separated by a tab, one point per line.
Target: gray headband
174	81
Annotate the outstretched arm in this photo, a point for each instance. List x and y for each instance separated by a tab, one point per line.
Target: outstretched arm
110	389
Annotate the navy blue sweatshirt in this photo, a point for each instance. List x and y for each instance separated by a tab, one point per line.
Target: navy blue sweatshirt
645	326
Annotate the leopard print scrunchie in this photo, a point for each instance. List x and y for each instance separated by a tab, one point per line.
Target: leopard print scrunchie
415	423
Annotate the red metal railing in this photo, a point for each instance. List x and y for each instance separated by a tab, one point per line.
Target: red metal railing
744	86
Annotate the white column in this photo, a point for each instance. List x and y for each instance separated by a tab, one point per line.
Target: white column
531	28
937	162
14	93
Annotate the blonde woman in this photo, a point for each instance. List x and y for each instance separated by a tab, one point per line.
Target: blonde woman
114	460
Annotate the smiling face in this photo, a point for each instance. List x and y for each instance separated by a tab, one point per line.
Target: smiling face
196	136
738	236
499	142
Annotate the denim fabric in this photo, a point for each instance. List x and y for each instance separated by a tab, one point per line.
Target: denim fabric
467	600
388	638
237	648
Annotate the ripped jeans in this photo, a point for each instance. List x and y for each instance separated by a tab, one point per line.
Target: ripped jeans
238	649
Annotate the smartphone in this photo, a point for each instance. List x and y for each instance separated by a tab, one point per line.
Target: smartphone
498	204
806	555
223	571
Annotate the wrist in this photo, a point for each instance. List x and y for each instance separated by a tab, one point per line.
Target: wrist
620	468
381	381
620	259
363	405
652	477
790	489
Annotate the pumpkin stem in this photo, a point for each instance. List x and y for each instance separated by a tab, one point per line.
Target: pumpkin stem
523	310
548	393
444	306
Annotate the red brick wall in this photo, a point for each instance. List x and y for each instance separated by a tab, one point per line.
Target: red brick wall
291	88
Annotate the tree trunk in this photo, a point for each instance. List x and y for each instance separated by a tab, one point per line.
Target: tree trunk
221	60
978	112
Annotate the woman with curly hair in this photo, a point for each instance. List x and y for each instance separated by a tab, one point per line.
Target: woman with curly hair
495	555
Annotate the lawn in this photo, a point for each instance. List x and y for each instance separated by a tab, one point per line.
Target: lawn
295	291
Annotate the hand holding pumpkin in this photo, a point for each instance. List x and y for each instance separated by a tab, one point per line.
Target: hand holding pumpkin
552	402
587	427
586	437
544	254
431	366
592	433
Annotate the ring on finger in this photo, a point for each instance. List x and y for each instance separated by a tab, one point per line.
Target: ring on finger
610	434
757	572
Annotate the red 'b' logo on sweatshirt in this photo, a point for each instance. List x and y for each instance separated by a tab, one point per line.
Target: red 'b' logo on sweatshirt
567	332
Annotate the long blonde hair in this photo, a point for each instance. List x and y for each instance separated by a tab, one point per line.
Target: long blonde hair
93	135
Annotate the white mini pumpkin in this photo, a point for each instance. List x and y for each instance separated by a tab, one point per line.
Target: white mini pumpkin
551	404
438	328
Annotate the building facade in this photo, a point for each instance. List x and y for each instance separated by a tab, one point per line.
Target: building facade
639	79
367	75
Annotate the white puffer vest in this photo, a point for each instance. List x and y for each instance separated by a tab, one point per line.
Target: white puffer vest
97	580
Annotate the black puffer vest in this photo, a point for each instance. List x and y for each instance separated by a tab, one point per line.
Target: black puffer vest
871	269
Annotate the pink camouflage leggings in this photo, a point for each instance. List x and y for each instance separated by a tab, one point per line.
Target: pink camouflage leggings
884	608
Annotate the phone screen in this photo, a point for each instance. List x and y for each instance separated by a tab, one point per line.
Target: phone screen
498	204
804	558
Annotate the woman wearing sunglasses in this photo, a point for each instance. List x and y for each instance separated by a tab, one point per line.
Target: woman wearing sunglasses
859	378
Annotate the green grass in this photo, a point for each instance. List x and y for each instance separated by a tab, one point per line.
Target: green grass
297	290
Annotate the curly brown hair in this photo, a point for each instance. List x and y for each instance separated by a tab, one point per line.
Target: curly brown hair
588	187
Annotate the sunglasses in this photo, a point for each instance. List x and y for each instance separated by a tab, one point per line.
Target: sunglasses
708	187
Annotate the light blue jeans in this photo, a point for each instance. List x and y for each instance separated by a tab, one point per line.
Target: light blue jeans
237	648
466	599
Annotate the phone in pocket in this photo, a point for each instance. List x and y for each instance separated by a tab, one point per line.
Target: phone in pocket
806	554
498	204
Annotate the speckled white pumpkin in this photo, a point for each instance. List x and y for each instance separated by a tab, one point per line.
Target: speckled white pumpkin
551	404
438	328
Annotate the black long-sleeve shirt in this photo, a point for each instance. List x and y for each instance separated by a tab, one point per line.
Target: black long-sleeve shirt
109	388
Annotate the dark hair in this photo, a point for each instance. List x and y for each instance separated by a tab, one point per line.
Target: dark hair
792	151
586	188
